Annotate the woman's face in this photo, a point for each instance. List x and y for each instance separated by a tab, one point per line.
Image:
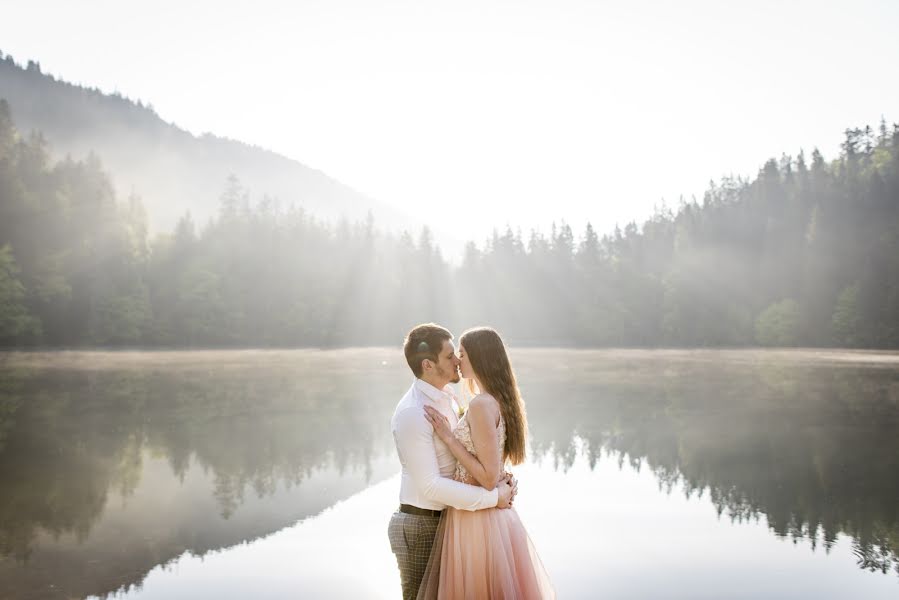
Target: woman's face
467	371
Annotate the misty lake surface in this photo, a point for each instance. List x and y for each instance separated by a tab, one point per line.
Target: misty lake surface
272	474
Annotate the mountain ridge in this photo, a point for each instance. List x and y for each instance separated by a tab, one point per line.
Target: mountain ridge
172	170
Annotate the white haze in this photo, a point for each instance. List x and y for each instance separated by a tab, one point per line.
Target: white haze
474	115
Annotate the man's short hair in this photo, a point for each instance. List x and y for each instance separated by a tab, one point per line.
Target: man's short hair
424	341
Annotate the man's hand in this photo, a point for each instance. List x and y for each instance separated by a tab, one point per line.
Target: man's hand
514	483
507	488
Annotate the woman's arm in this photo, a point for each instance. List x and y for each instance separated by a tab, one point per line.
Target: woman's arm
486	467
414	439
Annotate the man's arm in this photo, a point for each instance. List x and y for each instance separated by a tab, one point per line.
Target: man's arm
415	440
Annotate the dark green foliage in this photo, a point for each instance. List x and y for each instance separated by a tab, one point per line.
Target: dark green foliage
778	324
173	170
15	322
801	255
80	257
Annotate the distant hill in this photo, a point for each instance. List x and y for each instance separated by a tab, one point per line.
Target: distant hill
170	169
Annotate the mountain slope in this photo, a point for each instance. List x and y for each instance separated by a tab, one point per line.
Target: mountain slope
171	170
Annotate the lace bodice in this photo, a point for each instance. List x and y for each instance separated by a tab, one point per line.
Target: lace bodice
462	432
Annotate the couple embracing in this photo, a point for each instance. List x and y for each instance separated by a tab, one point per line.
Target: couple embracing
456	534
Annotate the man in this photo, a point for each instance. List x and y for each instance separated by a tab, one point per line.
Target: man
427	486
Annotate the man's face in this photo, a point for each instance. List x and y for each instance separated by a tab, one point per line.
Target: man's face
447	366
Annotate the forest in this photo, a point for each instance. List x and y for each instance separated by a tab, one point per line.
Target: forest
805	253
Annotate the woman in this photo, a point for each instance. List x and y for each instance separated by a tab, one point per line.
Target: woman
485	553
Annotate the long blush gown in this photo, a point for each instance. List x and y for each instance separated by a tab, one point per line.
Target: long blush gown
485	553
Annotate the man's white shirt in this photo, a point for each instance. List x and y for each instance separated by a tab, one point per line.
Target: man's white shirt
428	465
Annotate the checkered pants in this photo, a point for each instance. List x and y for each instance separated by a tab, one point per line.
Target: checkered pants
411	538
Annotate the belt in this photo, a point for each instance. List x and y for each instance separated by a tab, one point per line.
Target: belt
422	512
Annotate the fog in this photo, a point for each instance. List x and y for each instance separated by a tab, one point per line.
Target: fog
112	463
120	230
803	254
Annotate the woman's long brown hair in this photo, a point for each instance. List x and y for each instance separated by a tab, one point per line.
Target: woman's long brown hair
491	366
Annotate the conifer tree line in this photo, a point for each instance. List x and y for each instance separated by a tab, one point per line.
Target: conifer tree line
806	253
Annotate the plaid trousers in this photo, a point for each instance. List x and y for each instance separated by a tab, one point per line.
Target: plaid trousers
411	538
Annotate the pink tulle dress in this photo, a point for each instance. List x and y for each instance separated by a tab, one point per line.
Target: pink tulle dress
485	553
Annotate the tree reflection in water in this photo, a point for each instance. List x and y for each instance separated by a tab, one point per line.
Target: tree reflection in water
804	440
78	429
809	443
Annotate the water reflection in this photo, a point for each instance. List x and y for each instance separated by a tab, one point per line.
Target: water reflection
111	464
809	441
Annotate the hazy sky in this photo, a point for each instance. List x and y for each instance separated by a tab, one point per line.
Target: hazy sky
476	114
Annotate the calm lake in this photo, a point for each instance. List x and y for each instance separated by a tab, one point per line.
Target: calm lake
272	474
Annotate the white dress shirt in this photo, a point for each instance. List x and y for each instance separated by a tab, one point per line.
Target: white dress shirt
428	464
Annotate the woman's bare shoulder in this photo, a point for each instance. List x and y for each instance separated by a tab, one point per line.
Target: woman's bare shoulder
486	403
